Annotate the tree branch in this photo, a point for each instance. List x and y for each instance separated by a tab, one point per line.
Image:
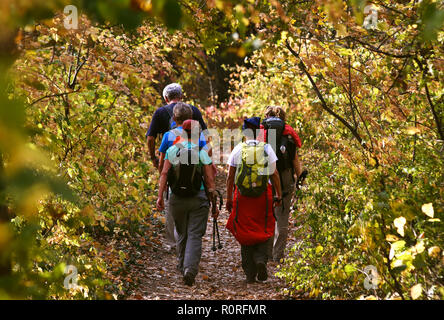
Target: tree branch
54	96
436	116
323	102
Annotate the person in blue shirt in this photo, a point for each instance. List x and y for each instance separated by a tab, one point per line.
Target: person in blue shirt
190	213
181	113
162	118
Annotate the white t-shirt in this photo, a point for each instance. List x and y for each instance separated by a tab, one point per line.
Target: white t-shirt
235	157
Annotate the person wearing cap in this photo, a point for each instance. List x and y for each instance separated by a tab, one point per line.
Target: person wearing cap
190	213
181	113
161	123
248	215
161	120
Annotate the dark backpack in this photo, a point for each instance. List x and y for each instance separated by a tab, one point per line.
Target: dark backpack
185	178
285	147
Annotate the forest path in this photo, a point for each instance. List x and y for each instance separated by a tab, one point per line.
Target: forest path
220	275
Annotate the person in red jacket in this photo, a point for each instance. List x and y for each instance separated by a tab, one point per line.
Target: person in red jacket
251	220
289	169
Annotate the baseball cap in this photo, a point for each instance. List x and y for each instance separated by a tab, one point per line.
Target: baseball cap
254	123
188	124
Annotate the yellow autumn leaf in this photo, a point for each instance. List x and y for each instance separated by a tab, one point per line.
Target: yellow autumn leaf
345	52
419	247
319	249
284	35
428	209
434	251
412	130
399	224
391	238
416	291
241	52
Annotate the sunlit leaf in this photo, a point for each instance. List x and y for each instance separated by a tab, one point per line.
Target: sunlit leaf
416	291
428	209
434	251
399	224
412	130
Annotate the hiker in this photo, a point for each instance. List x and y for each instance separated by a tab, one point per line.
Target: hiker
162	120
251	165
289	168
181	113
188	170
161	123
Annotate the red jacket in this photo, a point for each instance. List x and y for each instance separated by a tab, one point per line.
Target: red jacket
288	130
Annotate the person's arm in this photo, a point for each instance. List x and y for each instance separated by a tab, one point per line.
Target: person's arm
297	165
275	179
230	187
161	162
205	143
154	129
197	115
152	150
276	182
163	185
211	186
208	178
208	148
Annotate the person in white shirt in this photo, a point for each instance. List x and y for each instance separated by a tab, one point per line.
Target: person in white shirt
251	220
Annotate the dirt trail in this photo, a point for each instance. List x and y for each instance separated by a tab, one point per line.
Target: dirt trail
220	275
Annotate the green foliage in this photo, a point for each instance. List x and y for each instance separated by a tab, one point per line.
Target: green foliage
370	124
432	18
73	162
75	105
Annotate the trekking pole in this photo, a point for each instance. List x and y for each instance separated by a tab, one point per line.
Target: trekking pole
218	236
214	236
301	179
215	225
221	202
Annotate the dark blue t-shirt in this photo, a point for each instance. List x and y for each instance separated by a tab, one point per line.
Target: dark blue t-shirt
160	123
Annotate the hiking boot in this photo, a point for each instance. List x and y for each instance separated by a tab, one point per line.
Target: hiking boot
251	278
261	271
188	278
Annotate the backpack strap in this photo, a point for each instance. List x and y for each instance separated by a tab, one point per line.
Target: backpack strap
203	180
179	145
170	113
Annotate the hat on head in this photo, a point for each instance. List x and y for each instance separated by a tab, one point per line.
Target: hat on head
188	124
253	123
